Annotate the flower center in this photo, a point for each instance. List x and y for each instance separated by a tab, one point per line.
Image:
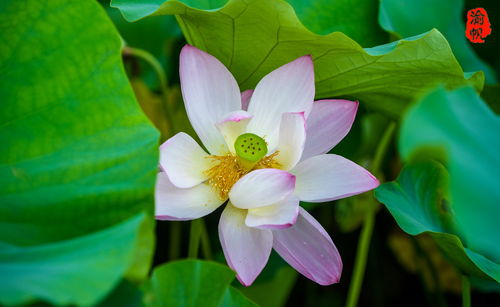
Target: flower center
250	147
250	155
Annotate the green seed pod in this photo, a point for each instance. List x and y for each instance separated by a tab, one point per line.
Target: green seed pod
250	147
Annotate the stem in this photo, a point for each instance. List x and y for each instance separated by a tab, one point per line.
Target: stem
382	147
152	61
205	241
175	240
466	302
160	74
194	238
368	225
360	264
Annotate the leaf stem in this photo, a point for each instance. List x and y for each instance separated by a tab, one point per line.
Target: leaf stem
205	242
382	147
194	238
368	225
175	240
160	74
466	301
361	256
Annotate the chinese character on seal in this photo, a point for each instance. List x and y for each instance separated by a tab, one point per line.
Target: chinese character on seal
478	25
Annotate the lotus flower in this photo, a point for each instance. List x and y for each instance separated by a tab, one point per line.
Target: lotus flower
265	152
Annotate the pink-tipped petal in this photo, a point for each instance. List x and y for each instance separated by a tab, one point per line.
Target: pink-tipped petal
210	92
173	203
232	126
184	161
289	88
328	123
262	187
329	177
245	99
246	249
308	248
280	215
291	141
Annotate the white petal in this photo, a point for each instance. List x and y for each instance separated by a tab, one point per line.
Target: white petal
280	215
184	161
290	88
329	177
262	187
308	248
246	249
245	99
210	92
291	139
173	203
232	126
328	123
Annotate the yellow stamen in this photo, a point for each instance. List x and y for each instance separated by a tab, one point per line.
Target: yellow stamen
268	162
228	170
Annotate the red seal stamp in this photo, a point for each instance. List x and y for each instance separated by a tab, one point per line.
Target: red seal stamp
478	25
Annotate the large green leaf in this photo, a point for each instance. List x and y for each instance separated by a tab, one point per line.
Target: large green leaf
411	17
125	294
357	19
78	270
461	124
254	37
459	129
195	283
280	284
417	201
78	155
417	198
